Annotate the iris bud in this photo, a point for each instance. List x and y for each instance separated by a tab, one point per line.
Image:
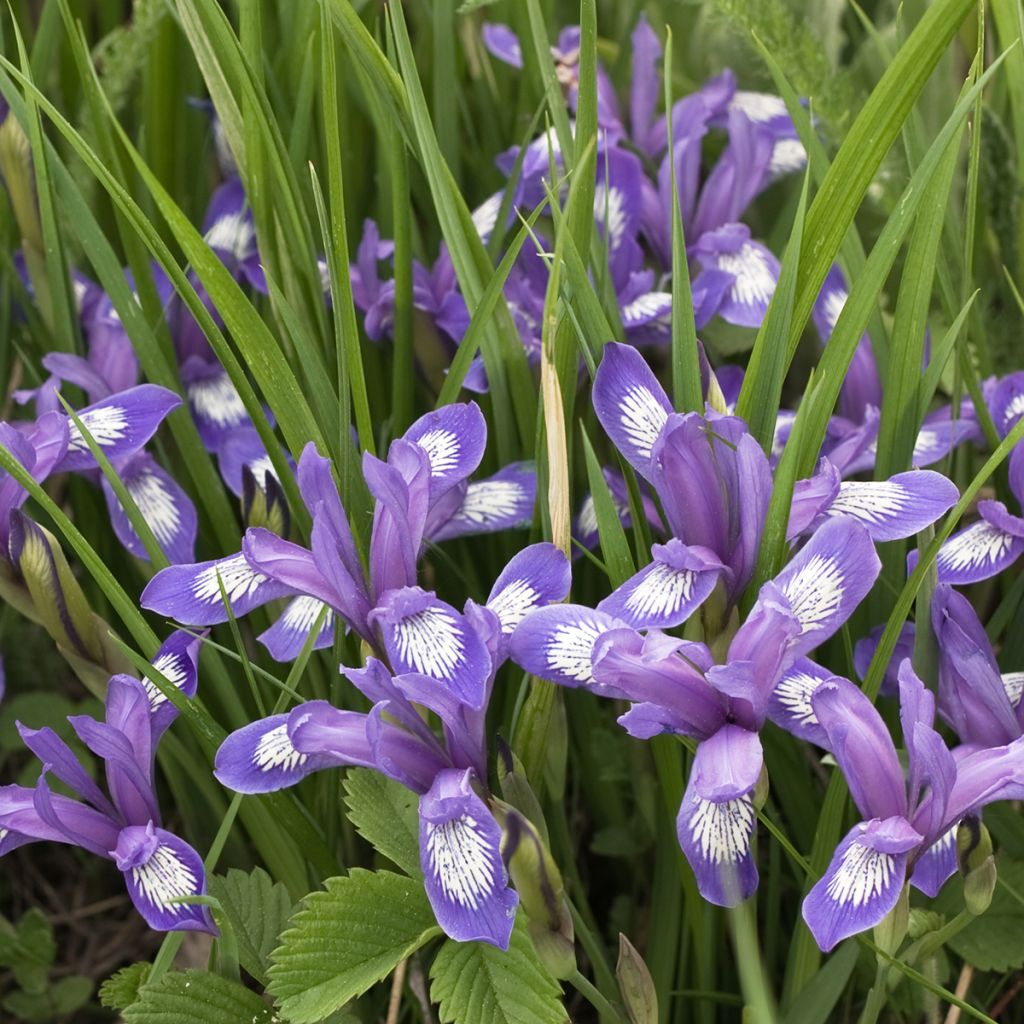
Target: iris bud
541	892
59	602
977	865
891	932
636	985
263	503
516	788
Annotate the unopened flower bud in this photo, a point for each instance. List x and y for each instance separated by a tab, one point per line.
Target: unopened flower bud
60	604
977	865
891	932
715	397
263	503
636	985
973	845
541	892
516	788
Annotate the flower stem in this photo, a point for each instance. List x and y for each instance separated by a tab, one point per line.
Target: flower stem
594	997
876	997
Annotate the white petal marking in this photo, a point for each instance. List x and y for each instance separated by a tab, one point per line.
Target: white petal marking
238	577
755	280
1013	684
642	417
490	500
662	591
275	750
650	305
978	545
794	691
105	425
172	668
442	448
215	399
570	646
512	604
460	860
301	613
612	202
815	592
485	216
1014	408
156	503
758	106
862	875
234	232
788	155
431	641
832	306
163	879
875	502
722	830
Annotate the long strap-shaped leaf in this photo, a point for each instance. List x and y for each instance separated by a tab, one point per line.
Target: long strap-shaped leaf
864	148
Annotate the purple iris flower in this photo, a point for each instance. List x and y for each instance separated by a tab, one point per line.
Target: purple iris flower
910	816
990	545
714	481
464	876
124	823
982	704
422	493
864	650
675	685
853	434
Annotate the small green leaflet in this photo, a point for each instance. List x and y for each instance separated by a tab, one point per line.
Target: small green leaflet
347	938
384	814
120	990
199	998
258	910
474	983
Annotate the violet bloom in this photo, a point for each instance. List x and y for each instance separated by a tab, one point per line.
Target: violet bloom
990	545
125	826
422	493
464	876
675	686
853	434
982	704
910	816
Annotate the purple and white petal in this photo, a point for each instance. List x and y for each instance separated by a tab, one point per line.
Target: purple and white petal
1007	402
240	449
289	564
557	643
790	706
539	575
64	765
454	438
898	507
422	634
37	814
936	864
630	403
165	507
216	404
501	502
715	836
977	553
287	636
178	662
120	425
192	593
754	268
669	590
261	758
863	881
937	438
159	868
463	873
827	579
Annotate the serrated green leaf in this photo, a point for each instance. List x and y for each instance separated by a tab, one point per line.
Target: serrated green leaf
384	813
258	909
345	939
198	997
995	940
475	983
120	990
